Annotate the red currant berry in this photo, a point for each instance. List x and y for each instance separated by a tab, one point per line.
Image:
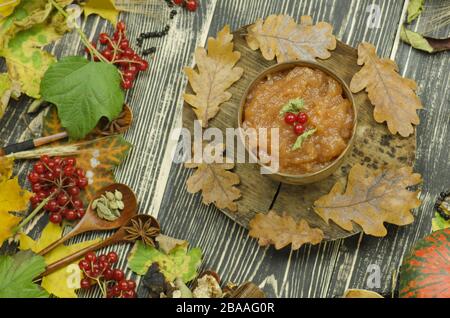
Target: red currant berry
118	275
131	284
77	203
44	158
74	191
128	53
112	257
124	44
143	65
84	264
69	171
289	118
85	283
191	5
302	118
299	129
51	164
70	215
133	69
126	84
178	2
35	200
82	182
103	38
41	195
107	54
80	172
120	26
57	170
102	258
39	168
129	294
90	257
115	290
55	218
36	187
80	213
62	199
123	285
108	274
57	160
33	177
52	206
71	161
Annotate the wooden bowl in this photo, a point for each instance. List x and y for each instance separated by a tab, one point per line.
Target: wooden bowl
299	179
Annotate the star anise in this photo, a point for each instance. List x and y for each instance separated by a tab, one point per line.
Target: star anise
144	231
116	126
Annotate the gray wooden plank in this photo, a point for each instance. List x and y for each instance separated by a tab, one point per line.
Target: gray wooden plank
309	271
432	161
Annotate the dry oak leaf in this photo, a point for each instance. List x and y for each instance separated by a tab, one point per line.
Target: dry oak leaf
216	73
281	36
370	199
393	96
281	231
216	182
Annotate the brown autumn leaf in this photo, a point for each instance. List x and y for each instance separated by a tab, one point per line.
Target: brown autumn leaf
393	96
216	73
281	231
371	198
281	37
215	181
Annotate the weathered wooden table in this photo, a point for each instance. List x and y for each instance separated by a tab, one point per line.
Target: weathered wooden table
325	270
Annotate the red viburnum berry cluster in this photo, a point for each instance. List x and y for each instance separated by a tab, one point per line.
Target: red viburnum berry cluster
190	5
119	53
112	282
298	121
63	181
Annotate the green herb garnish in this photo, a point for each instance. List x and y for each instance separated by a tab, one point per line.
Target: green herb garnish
298	143
293	106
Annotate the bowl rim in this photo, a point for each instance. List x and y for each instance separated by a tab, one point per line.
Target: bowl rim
290	65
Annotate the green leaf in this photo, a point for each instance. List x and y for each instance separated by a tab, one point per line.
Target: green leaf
17	273
416	40
415	8
293	106
439	223
299	142
83	92
179	263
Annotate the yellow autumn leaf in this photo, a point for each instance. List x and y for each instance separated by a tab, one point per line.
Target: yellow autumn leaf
56	283
12	199
7	7
104	8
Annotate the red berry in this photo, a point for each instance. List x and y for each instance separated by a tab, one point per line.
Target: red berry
127	75
133	69
290	118
85	283
77	203
107	54
70	215
41	195
108	274
50	176
52	206
102	258
302	118
39	168
112	257
131	284
57	170
115	290
35	200
123	285
69	171
57	160
126	84
191	5
178	2
62	199
129	294
82	182
74	191
33	177
103	38
55	218
36	187
299	129
84	264
124	45
80	213
120	26
143	65
44	158
80	172
70	161
90	257
128	53
118	275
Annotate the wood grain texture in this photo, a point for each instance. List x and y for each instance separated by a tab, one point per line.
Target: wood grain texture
320	271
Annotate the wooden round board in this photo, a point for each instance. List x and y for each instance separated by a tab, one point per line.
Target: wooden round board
374	146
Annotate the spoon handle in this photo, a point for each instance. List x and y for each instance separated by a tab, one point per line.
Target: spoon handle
77	255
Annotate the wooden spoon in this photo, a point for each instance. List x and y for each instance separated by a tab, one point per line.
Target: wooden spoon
91	221
120	236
